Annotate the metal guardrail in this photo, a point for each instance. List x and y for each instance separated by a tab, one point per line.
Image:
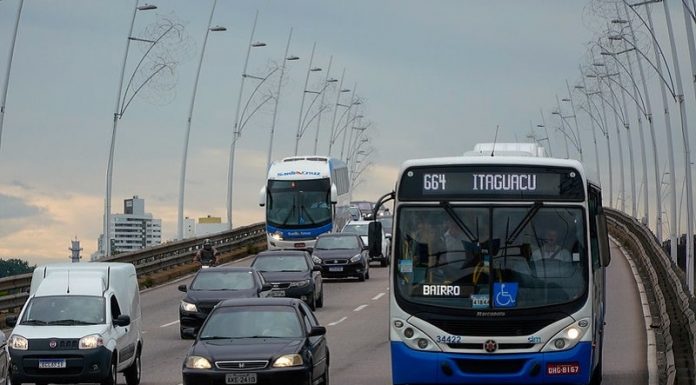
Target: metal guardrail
672	305
146	261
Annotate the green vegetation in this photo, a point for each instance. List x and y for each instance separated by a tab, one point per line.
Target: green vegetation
14	266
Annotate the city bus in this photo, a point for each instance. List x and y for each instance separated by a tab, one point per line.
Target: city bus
304	196
498	271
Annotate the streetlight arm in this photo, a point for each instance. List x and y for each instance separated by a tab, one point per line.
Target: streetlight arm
641	103
143	84
241	126
309	108
251	97
130	80
316	114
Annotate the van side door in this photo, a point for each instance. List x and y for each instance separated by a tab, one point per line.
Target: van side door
125	342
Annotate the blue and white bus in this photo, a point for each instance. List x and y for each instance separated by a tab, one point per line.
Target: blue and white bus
498	272
304	196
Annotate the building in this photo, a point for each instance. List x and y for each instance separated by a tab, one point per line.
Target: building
206	225
133	230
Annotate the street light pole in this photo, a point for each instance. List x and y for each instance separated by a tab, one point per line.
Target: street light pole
9	66
321	106
648	108
339	91
687	155
592	123
275	108
546	130
298	135
237	129
182	178
575	118
117	115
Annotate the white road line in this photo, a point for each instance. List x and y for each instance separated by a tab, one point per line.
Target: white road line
338	322
378	296
360	307
169	324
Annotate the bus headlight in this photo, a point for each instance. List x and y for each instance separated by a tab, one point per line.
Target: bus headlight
278	236
569	337
414	338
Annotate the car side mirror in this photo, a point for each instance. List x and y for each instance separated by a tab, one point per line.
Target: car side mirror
316	268
388	236
188	333
374	238
183	288
266	287
11	320
122	320
317	331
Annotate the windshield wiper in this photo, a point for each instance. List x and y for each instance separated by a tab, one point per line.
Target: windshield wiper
287	218
70	322
290	271
528	217
34	322
307	212
217	338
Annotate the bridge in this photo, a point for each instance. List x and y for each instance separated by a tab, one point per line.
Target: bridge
650	332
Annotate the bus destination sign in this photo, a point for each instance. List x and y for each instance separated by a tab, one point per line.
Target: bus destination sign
488	182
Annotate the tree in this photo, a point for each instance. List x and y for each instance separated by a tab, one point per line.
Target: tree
14	266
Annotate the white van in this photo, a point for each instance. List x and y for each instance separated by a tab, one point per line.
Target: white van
81	323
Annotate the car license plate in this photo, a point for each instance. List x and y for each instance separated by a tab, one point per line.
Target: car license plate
52	364
278	293
240	378
336	268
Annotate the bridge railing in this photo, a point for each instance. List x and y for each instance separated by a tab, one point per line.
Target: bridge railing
672	306
146	261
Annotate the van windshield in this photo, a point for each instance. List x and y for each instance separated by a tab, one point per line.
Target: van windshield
65	310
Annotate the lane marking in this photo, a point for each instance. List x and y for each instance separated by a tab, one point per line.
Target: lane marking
338	322
378	296
169	324
360	307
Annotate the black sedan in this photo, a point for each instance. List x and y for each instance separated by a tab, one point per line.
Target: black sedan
342	255
213	285
259	341
292	273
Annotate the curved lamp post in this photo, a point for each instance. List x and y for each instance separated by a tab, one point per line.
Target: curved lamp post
9	66
119	109
182	178
239	121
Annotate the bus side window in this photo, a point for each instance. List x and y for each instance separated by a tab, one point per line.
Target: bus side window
593	203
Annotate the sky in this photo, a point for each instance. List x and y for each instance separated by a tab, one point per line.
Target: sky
434	78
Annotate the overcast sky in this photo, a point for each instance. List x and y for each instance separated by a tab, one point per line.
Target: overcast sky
436	77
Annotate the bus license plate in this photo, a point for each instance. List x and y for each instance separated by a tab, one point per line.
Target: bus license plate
338	268
240	378
559	369
52	364
278	293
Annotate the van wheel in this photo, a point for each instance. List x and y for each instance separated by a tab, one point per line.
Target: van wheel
133	372
112	376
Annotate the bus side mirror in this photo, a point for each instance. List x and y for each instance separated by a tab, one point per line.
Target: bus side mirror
334	194
262	196
603	239
374	238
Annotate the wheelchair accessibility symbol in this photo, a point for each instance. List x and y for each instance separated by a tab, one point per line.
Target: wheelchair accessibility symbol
505	294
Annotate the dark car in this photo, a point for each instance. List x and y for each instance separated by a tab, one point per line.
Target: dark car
365	207
292	273
259	341
213	285
342	255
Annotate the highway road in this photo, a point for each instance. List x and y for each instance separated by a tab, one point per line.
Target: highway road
356	316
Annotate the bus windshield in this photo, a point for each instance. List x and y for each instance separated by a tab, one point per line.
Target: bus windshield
298	203
490	257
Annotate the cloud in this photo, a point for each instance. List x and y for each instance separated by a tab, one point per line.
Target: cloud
12	207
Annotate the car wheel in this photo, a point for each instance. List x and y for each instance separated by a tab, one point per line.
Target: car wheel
383	262
182	335
133	372
325	377
361	277
367	273
312	302
112	376
320	301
